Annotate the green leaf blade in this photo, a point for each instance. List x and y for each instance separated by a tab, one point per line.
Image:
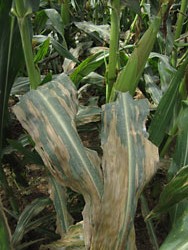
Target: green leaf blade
164	113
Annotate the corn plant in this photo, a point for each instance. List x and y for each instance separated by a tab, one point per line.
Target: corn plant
80	169
112	185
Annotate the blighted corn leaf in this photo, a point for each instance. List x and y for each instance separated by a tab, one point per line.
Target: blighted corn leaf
88	114
128	163
73	240
4	231
103	31
48	114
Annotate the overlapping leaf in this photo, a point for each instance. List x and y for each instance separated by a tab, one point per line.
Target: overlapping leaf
128	163
128	157
53	129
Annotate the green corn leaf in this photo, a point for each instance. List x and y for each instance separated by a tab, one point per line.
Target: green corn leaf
165	70
129	77
56	20
177	188
34	4
177	239
49	113
175	191
26	245
161	120
25	218
29	156
151	87
43	50
180	157
134	5
88	65
62	51
23	11
58	195
5	235
10	60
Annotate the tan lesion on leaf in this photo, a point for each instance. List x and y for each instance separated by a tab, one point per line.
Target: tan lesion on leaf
114	215
115	170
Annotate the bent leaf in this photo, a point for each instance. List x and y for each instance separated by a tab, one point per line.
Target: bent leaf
128	163
49	113
53	129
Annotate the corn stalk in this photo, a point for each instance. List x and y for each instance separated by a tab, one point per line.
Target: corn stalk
129	77
22	9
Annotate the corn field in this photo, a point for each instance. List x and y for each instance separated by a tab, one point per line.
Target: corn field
93	124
